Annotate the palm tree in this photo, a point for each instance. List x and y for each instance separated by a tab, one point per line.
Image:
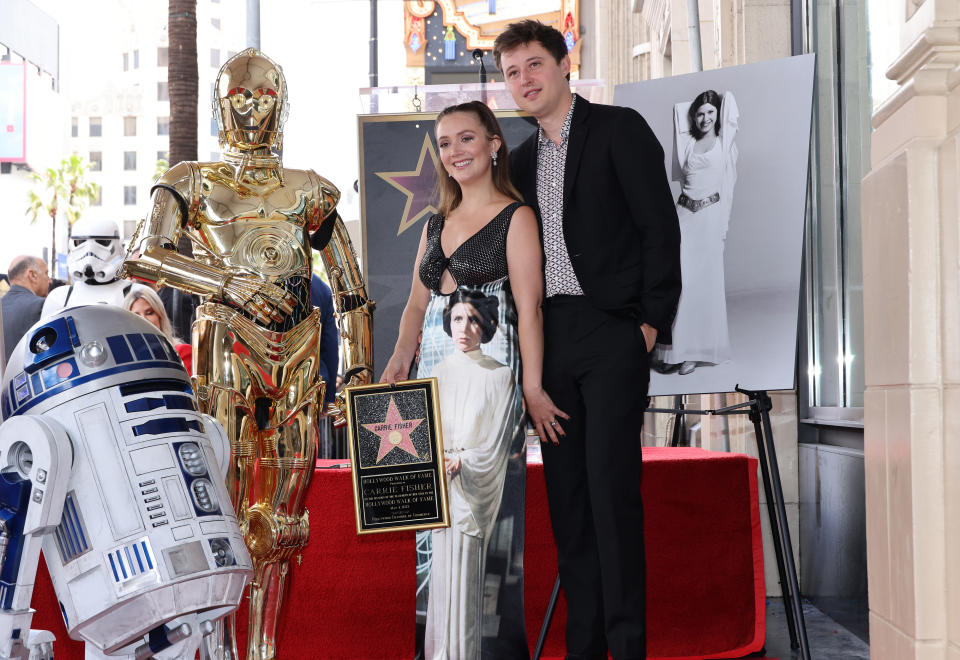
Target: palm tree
182	79
65	187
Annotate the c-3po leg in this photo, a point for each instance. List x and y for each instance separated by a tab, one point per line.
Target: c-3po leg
278	525
270	409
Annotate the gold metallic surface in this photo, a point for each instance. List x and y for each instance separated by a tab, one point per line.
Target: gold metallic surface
256	337
354	313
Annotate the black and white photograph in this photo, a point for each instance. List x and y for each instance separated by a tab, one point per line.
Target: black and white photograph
736	144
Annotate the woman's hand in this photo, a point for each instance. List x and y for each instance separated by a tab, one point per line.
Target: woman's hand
452	464
544	414
398	368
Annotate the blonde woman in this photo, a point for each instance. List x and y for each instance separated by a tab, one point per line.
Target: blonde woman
146	304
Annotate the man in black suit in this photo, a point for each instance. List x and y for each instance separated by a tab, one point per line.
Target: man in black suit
611	242
21	305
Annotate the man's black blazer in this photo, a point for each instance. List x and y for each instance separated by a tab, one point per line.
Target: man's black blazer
619	219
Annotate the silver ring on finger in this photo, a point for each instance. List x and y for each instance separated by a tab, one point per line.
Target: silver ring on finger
553	423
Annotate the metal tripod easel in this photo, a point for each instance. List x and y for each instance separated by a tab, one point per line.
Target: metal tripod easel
758	408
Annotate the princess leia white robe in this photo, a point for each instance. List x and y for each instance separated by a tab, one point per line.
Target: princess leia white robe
477	407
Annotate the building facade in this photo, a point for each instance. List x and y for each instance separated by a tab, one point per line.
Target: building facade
121	122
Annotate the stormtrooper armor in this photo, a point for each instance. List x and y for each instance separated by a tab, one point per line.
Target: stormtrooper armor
95	255
113	469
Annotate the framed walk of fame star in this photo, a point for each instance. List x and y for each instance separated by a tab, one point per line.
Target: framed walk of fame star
396	454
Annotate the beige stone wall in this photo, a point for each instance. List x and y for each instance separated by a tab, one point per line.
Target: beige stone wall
911	250
618	34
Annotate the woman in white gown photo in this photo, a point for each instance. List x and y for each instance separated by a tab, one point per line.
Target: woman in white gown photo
706	165
477	443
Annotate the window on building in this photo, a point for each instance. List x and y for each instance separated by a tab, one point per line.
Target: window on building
129	126
129	160
840	156
215	22
129	229
163	56
74	127
163	91
98	198
126	61
163	125
163	155
96	126
136	59
96	161
129	195
215	57
214	127
214	155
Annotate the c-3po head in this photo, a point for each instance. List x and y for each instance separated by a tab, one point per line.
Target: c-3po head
250	102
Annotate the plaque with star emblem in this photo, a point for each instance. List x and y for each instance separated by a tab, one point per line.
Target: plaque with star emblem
396	452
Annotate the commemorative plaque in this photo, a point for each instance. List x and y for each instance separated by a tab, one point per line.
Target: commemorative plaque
396	456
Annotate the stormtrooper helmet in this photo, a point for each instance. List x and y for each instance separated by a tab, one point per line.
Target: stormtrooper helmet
95	253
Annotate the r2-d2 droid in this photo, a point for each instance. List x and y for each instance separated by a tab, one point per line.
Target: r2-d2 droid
104	457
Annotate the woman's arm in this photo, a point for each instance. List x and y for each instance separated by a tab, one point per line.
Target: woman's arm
411	322
525	267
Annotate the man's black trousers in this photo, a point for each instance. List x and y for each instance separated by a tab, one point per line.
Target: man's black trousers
596	369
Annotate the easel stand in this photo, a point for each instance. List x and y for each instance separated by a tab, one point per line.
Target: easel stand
758	408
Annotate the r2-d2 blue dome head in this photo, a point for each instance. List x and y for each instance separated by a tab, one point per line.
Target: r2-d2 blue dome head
84	349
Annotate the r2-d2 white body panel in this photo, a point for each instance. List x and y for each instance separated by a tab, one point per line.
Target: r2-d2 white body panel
148	534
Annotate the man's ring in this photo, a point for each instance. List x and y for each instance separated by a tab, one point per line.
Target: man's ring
553	423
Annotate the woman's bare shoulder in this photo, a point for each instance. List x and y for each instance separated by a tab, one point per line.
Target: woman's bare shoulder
524	213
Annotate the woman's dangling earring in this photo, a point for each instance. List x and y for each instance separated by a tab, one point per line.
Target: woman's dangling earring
493	156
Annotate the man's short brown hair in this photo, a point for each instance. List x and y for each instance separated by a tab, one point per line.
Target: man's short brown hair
523	32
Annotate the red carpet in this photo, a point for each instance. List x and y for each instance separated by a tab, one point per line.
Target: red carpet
353	597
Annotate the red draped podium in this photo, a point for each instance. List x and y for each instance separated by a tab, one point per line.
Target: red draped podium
353	596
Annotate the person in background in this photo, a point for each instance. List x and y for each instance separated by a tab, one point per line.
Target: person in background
146	304
322	297
180	308
21	305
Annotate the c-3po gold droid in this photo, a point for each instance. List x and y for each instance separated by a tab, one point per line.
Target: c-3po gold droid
255	340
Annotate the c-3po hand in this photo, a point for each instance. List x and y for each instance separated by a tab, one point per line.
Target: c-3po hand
264	301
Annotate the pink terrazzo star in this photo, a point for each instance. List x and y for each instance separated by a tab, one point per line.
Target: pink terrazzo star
394	432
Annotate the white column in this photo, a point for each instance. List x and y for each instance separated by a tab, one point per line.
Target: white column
911	275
